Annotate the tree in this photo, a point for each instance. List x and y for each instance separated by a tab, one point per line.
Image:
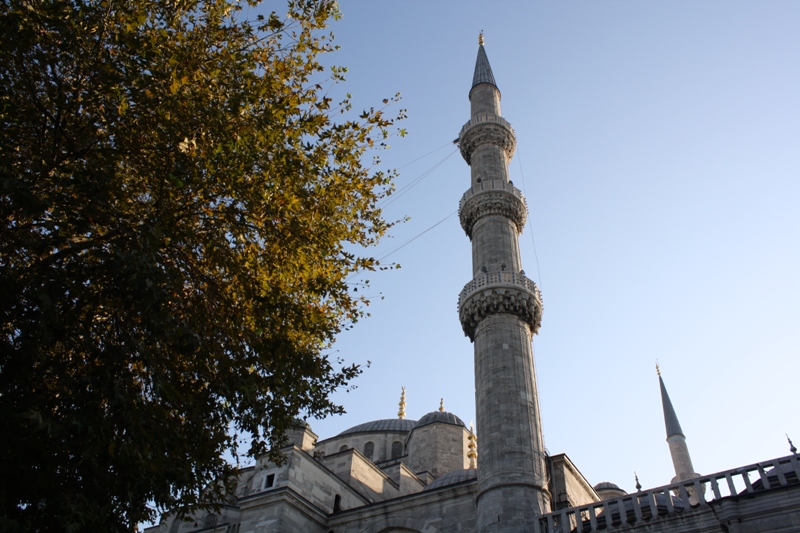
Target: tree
181	210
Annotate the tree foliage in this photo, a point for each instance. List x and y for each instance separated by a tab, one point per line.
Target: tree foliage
180	201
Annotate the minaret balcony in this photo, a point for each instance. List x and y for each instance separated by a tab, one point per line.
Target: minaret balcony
487	129
492	197
499	292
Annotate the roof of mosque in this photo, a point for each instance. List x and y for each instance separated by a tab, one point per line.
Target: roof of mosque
451	478
388	424
440	416
605	485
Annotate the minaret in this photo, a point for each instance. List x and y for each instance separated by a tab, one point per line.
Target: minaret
675	437
500	310
401	413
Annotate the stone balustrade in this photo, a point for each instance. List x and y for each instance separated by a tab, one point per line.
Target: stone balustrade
498	278
647	507
481	119
487	129
492	197
499	292
491	185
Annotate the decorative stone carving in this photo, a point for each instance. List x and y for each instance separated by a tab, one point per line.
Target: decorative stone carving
499	292
487	129
504	202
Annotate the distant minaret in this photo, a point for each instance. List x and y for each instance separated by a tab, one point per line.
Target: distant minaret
675	437
500	311
401	413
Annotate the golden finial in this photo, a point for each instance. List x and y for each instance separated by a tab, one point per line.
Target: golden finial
472	446
480	38
401	414
658	370
441	405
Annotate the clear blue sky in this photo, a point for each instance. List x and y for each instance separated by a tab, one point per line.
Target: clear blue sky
659	149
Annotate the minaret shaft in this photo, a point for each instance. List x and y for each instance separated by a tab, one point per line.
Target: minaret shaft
495	246
500	310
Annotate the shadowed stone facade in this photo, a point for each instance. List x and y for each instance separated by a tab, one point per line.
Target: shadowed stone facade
398	475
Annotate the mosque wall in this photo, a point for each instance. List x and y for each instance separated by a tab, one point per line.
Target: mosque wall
449	509
382	444
361	474
569	487
438	449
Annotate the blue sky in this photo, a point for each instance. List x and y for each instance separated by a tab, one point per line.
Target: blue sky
658	144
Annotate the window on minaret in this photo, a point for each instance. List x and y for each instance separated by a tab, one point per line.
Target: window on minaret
397	449
369	449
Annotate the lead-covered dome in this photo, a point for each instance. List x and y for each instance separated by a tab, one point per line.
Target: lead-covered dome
388	424
606	485
440	416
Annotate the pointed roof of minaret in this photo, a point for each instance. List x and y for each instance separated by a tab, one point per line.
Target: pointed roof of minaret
483	72
670	418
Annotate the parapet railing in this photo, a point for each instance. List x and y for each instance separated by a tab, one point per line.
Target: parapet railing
661	502
491	185
498	278
478	119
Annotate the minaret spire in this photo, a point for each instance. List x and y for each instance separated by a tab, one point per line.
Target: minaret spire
500	311
483	71
677	441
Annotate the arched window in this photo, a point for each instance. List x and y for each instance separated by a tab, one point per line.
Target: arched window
343	448
397	449
337	504
369	449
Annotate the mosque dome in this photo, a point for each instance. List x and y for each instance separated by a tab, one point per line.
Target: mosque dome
388	424
451	478
440	416
606	485
606	489
789	474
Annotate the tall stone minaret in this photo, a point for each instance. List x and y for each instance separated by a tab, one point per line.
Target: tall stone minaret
500	311
675	437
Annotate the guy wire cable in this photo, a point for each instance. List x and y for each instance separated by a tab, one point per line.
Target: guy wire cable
402	190
530	225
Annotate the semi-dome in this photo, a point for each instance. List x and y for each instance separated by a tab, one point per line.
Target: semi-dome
451	478
388	424
440	416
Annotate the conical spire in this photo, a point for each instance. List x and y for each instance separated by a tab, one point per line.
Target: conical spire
681	460
670	418
483	72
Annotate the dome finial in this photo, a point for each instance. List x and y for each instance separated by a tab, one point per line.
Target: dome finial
480	38
441	405
658	369
638	485
401	414
792	447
